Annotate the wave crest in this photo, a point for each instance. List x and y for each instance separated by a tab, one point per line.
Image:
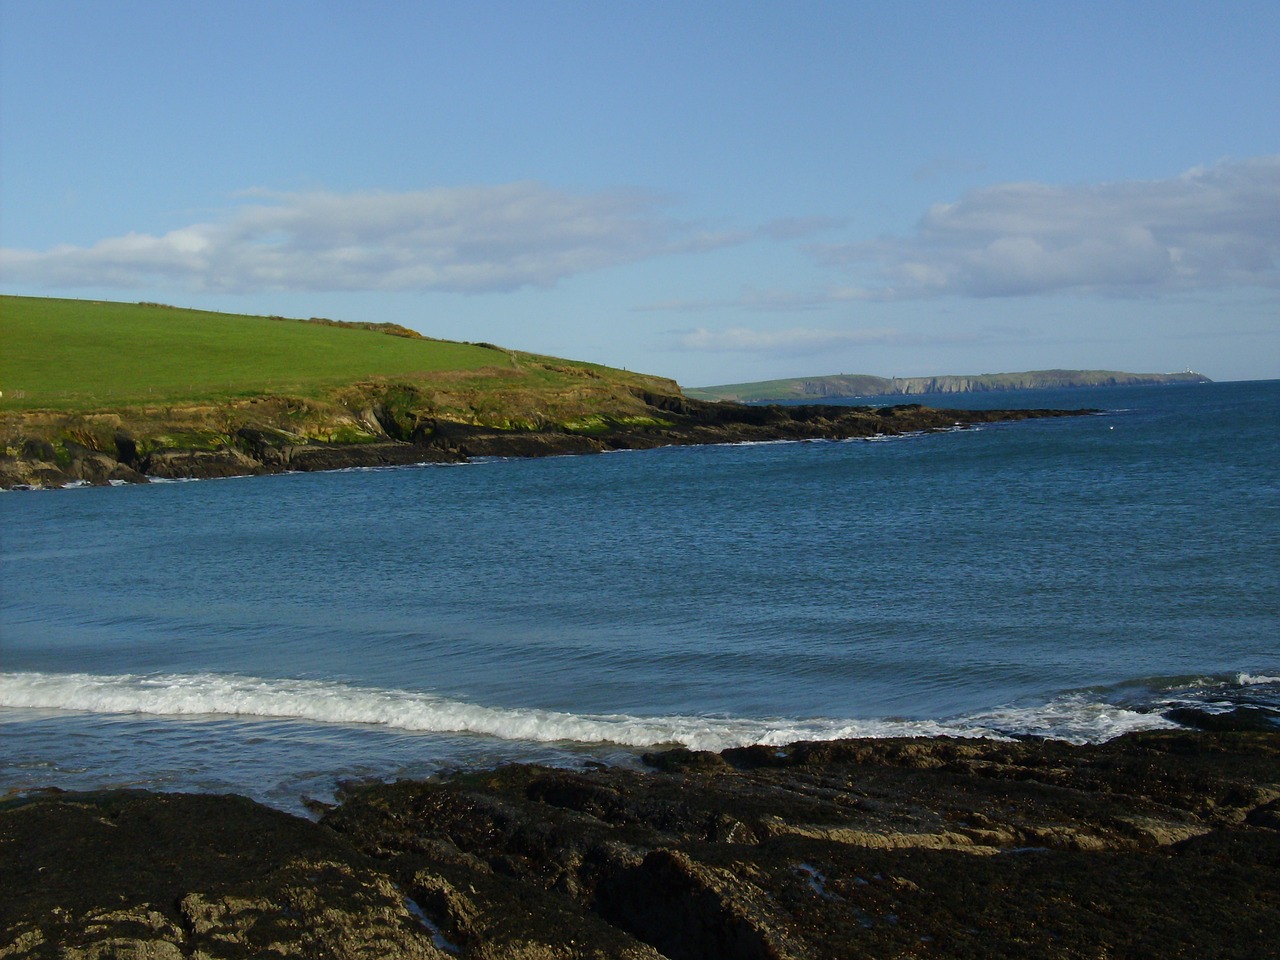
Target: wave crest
1072	717
323	701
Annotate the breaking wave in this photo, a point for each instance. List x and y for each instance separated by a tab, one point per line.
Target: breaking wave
1078	716
324	701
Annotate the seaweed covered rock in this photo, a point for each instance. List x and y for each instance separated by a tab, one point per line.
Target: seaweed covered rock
132	874
1156	844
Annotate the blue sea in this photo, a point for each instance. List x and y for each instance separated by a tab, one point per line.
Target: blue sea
275	636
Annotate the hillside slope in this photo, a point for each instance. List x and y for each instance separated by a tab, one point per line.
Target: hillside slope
108	392
80	355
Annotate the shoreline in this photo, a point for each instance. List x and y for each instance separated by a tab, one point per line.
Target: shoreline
51	450
335	732
1155	843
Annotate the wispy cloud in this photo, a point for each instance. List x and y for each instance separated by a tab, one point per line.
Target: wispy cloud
1211	227
464	239
803	341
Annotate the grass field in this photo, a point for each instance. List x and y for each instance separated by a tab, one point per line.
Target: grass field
82	354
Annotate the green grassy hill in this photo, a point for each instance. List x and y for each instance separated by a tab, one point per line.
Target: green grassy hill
78	375
83	356
79	354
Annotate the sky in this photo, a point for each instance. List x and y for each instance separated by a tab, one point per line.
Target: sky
716	192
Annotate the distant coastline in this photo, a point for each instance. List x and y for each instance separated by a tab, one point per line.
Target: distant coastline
850	386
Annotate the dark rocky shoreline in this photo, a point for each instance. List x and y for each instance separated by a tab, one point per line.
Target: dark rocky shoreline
1159	844
117	455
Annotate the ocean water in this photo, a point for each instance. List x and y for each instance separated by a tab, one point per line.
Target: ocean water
275	636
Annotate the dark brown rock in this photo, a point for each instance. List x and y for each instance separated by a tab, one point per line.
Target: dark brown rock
204	464
1164	844
1238	719
879	848
129	874
38	450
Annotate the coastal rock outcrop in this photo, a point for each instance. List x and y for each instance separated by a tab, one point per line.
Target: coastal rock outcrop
1156	844
131	874
253	438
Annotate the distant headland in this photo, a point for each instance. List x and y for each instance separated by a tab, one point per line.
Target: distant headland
849	386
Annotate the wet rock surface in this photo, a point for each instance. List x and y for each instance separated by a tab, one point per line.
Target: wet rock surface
1163	844
131	874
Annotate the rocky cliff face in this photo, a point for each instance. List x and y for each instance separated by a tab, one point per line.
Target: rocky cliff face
275	435
1035	380
1153	845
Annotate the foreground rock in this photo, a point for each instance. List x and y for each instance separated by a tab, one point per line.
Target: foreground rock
130	874
1153	845
50	450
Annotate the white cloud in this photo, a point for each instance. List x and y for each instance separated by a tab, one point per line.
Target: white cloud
1212	227
464	239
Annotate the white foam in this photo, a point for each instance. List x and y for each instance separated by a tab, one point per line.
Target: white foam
1219	682
1074	717
1250	680
221	695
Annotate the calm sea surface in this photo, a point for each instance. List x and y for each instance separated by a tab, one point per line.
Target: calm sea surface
272	636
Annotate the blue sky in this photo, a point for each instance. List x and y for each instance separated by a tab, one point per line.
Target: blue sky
717	192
